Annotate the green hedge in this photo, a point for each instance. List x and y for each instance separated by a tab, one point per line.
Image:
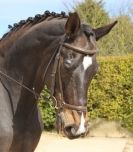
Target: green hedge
110	94
47	109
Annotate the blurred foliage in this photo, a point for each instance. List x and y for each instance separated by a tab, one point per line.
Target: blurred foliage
47	109
110	93
92	12
119	40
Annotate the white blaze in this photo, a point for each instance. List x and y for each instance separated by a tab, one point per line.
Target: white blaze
82	125
81	128
87	61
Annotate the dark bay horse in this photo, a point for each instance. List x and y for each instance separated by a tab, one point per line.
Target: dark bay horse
52	49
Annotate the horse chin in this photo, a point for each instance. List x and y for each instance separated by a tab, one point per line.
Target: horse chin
72	133
68	131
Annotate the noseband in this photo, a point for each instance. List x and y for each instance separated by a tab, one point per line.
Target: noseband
56	70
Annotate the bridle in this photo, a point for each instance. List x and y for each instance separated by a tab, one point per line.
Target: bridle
56	68
59	105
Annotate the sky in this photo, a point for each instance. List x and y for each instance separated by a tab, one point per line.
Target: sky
12	11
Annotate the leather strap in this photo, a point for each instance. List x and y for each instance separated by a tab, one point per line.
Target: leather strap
73	107
80	50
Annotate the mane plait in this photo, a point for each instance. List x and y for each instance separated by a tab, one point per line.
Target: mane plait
32	21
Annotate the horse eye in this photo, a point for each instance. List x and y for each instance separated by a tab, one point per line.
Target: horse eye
66	55
67	63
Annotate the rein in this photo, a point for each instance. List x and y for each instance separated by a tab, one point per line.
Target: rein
20	84
80	50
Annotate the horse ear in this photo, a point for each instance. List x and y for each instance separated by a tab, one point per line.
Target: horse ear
100	32
72	25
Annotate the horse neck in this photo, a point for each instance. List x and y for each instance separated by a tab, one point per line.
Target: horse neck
11	37
28	58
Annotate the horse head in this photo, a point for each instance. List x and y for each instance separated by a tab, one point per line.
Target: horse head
76	68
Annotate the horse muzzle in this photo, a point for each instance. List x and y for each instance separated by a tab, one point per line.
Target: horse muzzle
74	124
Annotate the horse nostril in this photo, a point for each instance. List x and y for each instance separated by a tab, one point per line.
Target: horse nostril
73	131
67	131
70	132
70	129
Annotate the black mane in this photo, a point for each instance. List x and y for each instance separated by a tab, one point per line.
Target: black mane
34	20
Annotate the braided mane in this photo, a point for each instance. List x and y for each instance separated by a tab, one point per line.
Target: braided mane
19	28
32	21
